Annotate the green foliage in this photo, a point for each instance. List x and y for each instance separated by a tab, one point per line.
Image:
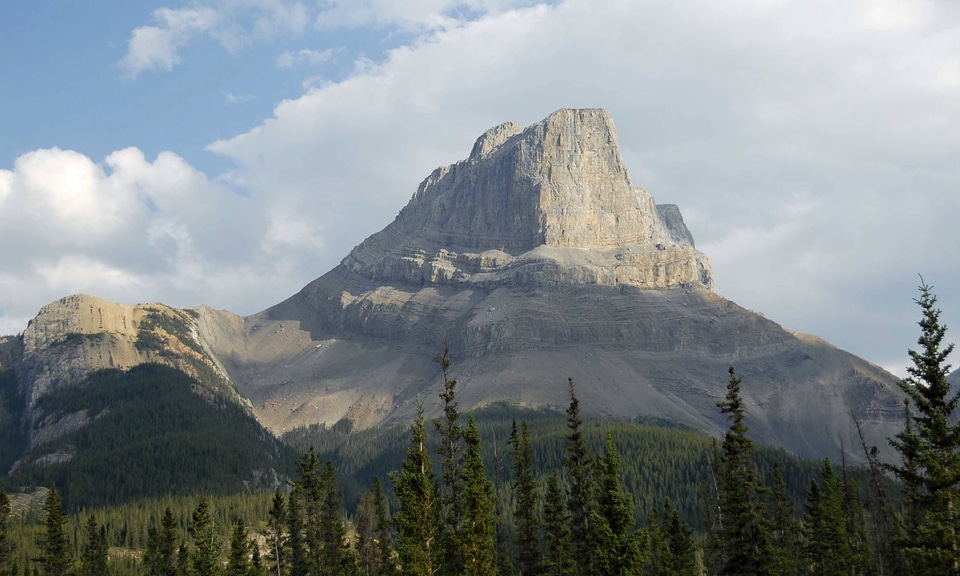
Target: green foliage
558	558
672	549
149	435
12	405
93	560
238	560
929	447
7	564
418	516
579	503
205	556
526	518
476	539
617	549
55	557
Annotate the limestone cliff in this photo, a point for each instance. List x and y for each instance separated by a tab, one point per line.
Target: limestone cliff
549	203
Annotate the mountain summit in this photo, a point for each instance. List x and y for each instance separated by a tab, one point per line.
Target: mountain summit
535	259
549	203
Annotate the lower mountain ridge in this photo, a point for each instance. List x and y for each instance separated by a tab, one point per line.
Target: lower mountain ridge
534	260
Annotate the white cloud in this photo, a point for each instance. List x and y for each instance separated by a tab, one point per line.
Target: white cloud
238	99
157	47
304	56
233	23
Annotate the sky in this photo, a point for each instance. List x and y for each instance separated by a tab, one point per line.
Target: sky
227	152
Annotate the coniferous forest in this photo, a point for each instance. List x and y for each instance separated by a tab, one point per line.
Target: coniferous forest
509	492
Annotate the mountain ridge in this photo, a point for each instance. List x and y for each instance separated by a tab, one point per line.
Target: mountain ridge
534	259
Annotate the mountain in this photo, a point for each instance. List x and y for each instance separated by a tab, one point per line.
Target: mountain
535	260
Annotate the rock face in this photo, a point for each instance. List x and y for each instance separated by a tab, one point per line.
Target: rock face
535	259
546	204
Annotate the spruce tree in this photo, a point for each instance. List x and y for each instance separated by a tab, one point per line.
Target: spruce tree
579	501
336	555
785	535
526	519
373	532
558	560
296	548
929	447
275	537
183	560
618	549
382	530
256	562
55	558
477	538
451	450
93	560
419	515
160	556
743	532
238	562
825	527
203	530
672	549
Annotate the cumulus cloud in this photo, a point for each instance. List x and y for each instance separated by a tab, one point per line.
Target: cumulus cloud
233	23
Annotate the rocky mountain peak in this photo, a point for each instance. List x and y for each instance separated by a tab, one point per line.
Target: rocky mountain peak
551	202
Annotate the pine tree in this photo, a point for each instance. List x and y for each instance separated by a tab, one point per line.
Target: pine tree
929	447
336	558
579	502
275	539
786	529
183	560
7	564
418	516
672	550
558	560
451	450
311	488
203	530
93	560
373	534
296	548
256	562
525	487
238	562
477	492
743	534
54	551
825	527
618	549
160	556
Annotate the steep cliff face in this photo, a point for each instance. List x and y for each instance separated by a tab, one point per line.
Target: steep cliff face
546	204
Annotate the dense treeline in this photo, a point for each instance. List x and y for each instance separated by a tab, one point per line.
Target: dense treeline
148	433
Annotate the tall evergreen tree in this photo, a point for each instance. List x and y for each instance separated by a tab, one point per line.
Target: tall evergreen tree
929	447
297	562
526	518
55	558
160	555
93	560
558	560
451	450
382	530
203	530
618	549
183	560
825	527
672	549
476	537
743	530
373	532
579	501
418	516
257	567
785	535
337	557
275	535
313	491
238	562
